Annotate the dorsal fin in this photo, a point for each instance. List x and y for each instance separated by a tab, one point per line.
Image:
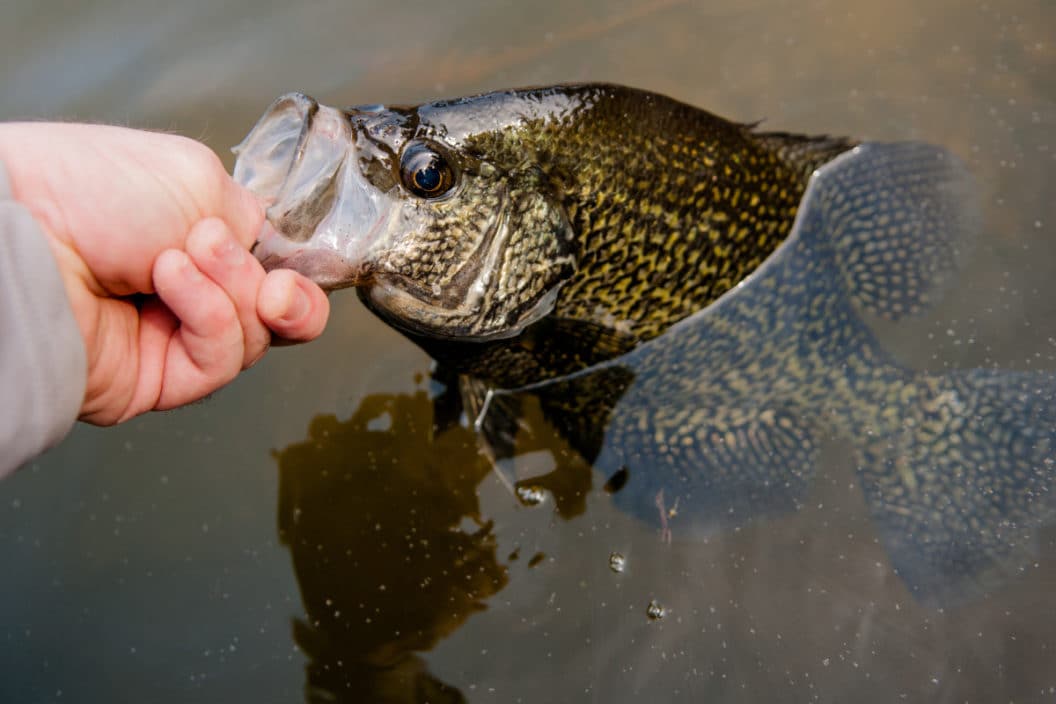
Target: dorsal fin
805	152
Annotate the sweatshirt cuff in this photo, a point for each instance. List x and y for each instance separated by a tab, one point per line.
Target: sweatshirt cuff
43	364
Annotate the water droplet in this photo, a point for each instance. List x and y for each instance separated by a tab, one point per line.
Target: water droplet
655	611
531	495
617	562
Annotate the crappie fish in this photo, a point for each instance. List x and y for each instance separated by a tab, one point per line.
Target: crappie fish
472	219
686	296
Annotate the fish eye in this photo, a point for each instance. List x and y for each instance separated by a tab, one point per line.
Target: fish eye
425	171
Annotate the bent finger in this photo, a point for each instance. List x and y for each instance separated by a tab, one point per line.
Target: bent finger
219	256
292	306
206	351
243	212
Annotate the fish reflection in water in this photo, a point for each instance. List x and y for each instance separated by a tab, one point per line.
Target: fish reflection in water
714	424
374	522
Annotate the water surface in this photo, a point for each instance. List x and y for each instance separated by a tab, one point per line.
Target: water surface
209	554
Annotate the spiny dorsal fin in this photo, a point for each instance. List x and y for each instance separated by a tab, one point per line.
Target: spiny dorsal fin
804	152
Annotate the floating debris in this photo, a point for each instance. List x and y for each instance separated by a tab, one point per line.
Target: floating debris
655	611
617	562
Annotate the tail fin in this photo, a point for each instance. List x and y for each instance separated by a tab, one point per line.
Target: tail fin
959	490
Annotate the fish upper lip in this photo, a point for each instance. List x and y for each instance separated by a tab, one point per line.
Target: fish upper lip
273	123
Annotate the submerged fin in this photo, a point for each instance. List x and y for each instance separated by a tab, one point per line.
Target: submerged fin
495	417
958	491
697	469
900	219
728	407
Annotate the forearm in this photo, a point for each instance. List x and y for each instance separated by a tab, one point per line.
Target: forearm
42	358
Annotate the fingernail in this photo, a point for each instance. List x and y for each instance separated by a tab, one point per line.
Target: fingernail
227	251
298	308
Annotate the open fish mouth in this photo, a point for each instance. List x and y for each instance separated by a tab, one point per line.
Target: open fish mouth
321	218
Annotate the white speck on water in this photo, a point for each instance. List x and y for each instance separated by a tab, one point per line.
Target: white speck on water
655	611
531	495
380	424
617	562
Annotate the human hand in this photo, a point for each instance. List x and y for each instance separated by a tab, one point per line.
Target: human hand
130	212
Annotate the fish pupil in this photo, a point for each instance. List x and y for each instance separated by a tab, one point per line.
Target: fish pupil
428	178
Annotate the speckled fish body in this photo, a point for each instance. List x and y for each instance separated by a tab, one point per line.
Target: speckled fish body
592	203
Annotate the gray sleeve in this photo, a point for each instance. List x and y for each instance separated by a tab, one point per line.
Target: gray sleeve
43	368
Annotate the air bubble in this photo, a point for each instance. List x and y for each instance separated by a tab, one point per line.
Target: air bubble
655	611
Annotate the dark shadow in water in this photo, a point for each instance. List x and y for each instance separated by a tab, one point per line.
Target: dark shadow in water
381	518
714	424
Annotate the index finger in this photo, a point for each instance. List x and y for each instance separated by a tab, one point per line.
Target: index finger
242	212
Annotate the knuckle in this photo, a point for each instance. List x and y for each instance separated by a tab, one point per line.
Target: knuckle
200	156
202	166
222	318
221	364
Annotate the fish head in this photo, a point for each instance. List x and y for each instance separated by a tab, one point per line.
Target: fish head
448	231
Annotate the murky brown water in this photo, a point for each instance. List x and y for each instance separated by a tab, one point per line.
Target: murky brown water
148	562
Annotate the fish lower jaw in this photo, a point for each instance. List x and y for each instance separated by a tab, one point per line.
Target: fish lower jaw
407	312
326	268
